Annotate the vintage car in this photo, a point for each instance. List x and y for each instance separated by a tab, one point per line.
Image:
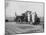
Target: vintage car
22	18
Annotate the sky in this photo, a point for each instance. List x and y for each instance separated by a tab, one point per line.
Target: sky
22	7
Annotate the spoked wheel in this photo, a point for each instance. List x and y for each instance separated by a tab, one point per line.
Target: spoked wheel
19	20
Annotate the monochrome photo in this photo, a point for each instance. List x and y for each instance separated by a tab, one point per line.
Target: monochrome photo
23	17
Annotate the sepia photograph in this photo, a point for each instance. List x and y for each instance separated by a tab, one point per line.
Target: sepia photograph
24	17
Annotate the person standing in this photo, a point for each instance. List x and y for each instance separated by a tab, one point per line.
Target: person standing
33	17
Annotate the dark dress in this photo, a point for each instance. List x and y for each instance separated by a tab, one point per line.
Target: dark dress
37	20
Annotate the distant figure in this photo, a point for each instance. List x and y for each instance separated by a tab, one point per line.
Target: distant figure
6	20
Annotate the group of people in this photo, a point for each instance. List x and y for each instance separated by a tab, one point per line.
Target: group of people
28	17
